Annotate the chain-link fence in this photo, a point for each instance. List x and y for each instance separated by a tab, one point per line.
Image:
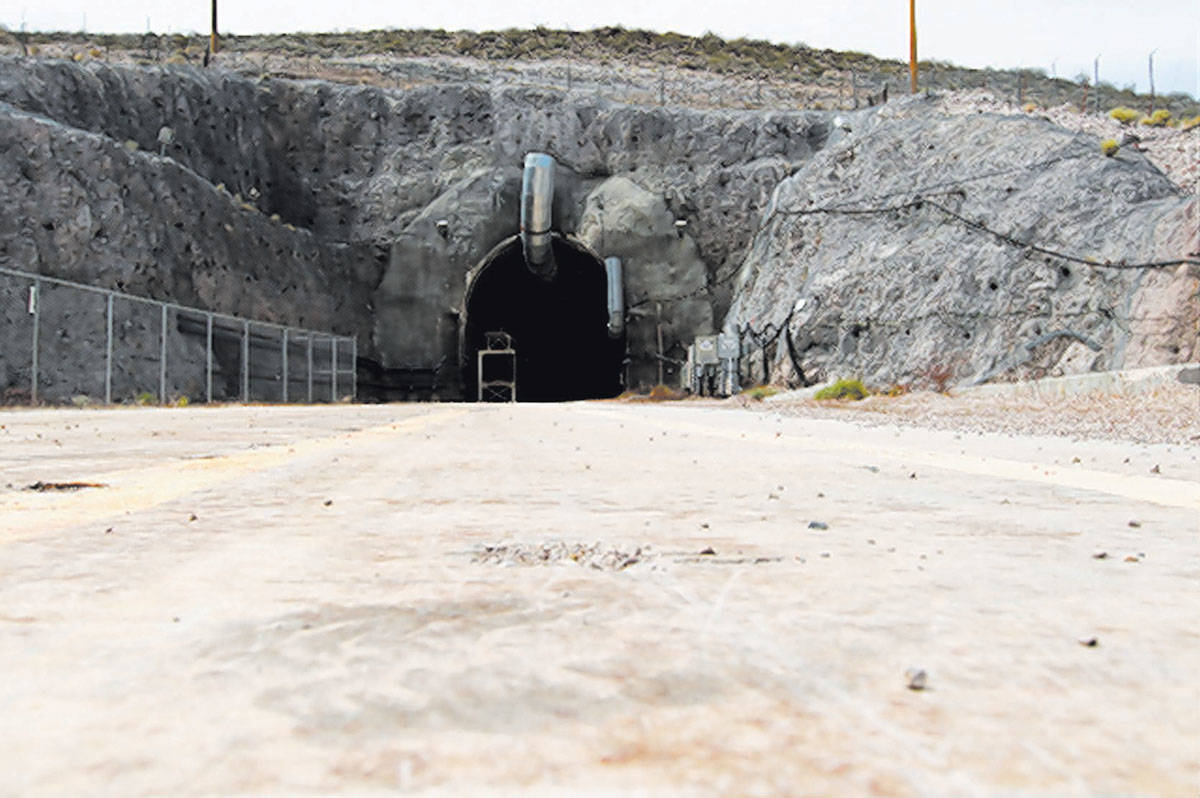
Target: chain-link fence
63	342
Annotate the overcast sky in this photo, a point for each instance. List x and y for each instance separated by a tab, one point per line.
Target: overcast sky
1060	36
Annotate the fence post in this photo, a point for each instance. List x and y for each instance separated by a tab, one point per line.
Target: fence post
35	307
108	350
284	361
333	342
208	357
162	359
245	361
354	369
308	336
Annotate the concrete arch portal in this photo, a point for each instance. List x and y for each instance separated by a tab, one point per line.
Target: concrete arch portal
559	327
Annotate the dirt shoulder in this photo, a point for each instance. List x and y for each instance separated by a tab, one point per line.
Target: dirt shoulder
1169	415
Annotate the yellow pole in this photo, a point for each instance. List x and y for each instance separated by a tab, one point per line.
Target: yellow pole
912	44
212	39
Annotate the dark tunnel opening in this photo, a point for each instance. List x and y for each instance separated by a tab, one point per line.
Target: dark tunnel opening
559	328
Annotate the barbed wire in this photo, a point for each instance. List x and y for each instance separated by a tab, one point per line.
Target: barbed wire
924	196
982	227
950	317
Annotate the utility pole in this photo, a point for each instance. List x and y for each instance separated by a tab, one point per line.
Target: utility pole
1096	81
212	39
1151	60
912	45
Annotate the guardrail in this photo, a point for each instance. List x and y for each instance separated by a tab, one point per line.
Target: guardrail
63	342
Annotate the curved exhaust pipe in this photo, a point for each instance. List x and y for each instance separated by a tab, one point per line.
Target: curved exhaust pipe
616	297
537	201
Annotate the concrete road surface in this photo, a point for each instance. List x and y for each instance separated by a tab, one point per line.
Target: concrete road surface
589	599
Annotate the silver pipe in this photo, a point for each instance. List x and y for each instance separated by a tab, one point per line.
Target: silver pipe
208	357
309	361
616	297
333	368
108	349
537	207
284	365
35	307
162	359
245	361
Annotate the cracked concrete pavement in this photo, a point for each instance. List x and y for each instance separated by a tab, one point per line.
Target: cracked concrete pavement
289	600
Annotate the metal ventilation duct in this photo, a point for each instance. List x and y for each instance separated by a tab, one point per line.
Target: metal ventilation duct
537	201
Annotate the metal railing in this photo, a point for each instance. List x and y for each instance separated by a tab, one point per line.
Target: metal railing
63	342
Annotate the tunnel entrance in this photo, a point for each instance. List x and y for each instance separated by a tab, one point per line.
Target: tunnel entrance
558	328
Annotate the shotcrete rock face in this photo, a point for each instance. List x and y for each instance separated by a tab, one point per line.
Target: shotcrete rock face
366	211
558	326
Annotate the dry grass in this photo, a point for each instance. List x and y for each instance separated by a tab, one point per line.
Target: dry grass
1166	415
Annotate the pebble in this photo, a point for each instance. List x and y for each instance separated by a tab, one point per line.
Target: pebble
917	678
818	525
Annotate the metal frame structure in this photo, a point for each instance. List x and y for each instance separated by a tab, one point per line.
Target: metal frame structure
288	337
499	346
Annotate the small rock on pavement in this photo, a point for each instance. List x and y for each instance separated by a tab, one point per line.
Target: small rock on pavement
818	525
1089	642
1100	555
917	678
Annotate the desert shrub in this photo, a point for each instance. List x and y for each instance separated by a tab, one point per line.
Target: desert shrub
1109	147
1159	118
1126	116
843	389
939	376
1188	124
146	398
663	393
760	392
1029	108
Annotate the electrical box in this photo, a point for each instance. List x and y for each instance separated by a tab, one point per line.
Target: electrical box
706	350
712	365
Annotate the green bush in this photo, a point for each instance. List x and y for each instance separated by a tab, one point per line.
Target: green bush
1126	116
1159	118
843	389
1109	147
1188	124
760	392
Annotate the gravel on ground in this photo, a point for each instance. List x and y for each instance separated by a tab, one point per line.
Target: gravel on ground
1169	415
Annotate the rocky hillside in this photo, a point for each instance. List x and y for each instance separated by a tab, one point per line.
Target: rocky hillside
259	174
927	249
626	65
927	240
